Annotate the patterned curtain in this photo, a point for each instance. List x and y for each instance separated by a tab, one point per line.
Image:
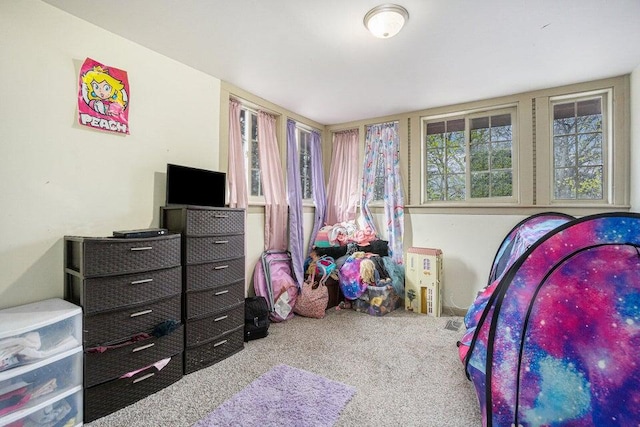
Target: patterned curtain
294	197
382	144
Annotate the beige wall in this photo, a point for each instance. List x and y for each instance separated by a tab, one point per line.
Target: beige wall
59	178
470	236
635	140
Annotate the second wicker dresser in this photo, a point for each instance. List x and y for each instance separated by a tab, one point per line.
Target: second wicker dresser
213	265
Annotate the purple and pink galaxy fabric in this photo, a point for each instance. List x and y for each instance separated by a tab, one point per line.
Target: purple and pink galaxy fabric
556	343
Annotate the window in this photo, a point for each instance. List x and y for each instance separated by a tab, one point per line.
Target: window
491	154
304	157
470	157
564	148
249	130
445	159
381	152
579	148
378	184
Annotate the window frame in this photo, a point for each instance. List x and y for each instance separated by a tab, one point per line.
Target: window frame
246	150
534	145
607	146
376	202
468	115
301	128
618	146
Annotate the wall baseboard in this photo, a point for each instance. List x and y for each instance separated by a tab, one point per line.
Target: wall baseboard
453	311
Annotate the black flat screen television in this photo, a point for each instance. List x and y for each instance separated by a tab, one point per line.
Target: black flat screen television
196	187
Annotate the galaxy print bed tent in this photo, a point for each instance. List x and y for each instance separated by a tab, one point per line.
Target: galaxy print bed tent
516	242
557	341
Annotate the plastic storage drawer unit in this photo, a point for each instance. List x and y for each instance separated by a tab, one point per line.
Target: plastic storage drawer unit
41	364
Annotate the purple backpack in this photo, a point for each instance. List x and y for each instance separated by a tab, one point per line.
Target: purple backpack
273	280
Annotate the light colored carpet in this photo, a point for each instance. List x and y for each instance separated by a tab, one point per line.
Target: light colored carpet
404	366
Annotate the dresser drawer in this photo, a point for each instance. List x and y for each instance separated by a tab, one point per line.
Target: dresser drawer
104	364
203	302
61	409
204	355
115	326
203	222
111	292
33	386
108	397
203	276
207	249
204	329
105	256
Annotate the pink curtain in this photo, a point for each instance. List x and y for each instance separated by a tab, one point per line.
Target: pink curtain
236	176
342	190
276	209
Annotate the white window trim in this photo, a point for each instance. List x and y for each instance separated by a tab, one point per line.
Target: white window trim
375	203
534	185
607	146
467	115
251	199
304	128
617	146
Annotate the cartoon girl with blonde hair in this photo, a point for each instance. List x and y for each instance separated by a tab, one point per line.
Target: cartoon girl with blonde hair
103	93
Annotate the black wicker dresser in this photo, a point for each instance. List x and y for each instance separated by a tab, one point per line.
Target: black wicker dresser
130	291
213	260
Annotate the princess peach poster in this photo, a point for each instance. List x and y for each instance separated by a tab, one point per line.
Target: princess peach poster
103	98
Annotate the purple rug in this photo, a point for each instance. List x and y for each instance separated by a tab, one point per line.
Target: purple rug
283	397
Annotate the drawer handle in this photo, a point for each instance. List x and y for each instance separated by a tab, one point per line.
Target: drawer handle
220	216
220	242
142	248
222	292
220	267
137	380
141	313
220	318
143	347
138	282
220	343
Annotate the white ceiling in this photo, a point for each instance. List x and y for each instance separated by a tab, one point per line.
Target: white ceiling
315	57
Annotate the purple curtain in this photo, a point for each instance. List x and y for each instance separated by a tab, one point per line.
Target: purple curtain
294	196
319	192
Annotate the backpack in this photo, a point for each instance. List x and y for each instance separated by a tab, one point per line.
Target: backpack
273	279
256	318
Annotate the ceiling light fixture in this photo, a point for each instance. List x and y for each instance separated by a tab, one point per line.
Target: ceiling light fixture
386	20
